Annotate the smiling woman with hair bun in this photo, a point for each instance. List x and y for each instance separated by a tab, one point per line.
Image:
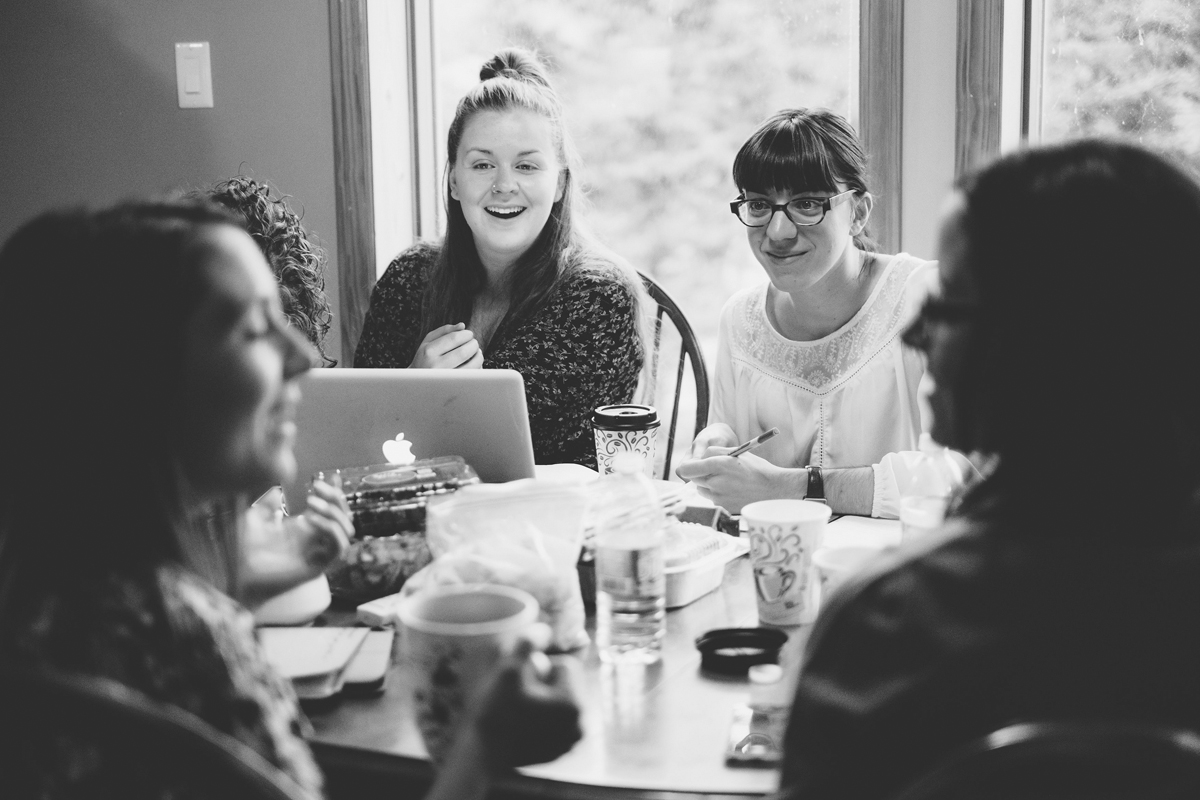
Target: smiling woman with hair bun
516	283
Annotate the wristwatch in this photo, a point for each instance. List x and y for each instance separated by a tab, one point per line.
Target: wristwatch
816	485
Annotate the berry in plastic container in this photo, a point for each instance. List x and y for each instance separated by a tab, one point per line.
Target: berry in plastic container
388	504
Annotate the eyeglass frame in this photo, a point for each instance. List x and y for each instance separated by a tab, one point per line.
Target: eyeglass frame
827	204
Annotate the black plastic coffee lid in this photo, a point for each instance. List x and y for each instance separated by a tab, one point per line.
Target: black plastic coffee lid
627	416
733	651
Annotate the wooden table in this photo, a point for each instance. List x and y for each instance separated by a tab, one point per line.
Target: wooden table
654	732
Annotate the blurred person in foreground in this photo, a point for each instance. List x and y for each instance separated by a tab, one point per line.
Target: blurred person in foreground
112	472
516	283
815	349
1063	340
298	265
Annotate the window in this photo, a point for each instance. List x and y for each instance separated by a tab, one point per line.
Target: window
1127	68
659	94
682	82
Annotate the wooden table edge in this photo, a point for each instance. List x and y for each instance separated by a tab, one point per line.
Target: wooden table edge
337	758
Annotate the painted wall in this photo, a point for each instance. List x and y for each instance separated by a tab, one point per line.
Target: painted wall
89	114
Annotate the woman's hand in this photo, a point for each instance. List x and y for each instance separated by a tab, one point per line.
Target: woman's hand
324	530
448	347
284	552
526	714
734	482
716	435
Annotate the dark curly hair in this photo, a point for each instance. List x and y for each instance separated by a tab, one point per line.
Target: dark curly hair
298	264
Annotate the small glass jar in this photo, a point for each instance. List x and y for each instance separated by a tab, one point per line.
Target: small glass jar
768	690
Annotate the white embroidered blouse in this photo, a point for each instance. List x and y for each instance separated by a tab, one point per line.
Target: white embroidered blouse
846	400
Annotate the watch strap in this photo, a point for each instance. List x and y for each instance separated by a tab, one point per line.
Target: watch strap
816	485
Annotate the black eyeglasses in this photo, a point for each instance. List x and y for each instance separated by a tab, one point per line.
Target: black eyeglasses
935	310
754	212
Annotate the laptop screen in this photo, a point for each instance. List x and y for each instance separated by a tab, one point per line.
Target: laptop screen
346	415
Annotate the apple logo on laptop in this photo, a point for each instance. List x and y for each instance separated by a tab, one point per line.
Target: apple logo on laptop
398	451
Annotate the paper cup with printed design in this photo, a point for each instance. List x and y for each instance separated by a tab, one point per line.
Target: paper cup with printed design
626	428
452	637
783	535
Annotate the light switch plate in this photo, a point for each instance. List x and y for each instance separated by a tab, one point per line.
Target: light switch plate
193	75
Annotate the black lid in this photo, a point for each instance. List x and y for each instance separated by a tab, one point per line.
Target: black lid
732	651
627	416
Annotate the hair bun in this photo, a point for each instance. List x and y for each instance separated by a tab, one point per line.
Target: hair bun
517	64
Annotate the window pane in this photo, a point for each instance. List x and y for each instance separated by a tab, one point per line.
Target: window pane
659	94
1128	68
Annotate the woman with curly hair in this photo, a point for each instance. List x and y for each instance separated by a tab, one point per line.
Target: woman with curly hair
298	264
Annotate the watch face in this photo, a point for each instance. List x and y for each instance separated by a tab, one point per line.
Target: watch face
816	484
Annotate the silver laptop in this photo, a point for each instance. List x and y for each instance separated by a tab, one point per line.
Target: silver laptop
345	416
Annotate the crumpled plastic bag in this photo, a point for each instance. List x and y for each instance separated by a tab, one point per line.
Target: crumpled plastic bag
525	534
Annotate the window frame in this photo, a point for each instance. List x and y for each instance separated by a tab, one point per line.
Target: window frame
978	83
352	167
881	113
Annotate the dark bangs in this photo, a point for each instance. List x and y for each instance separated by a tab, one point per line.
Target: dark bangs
800	150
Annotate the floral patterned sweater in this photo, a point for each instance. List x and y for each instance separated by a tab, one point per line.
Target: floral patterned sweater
580	350
177	639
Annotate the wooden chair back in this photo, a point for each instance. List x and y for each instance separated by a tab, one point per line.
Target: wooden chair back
670	325
1069	761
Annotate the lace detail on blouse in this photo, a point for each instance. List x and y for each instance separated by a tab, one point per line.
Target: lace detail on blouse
820	366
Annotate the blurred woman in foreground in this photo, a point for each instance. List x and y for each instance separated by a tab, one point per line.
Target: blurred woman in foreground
298	265
116	464
1064	340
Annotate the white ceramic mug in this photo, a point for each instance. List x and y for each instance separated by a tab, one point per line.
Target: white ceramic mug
920	515
452	637
783	535
836	564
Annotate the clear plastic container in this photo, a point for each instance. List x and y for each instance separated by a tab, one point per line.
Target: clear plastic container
388	505
695	557
934	478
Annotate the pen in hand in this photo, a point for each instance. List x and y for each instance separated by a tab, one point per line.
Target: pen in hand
746	447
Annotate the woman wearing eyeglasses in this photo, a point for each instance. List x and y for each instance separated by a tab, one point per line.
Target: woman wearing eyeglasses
1078	375
815	350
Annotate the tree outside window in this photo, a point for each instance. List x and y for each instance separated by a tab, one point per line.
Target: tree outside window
1124	68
